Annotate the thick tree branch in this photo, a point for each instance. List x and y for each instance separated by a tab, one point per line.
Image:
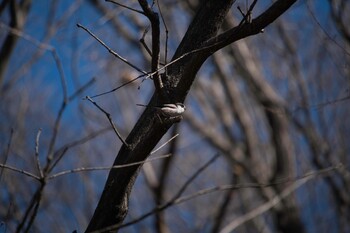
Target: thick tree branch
204	26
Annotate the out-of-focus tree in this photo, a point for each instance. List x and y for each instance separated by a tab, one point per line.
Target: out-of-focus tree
272	108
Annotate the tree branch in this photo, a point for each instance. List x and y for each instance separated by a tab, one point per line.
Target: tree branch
108	115
154	19
248	29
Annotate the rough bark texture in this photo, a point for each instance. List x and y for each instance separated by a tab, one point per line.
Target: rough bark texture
113	205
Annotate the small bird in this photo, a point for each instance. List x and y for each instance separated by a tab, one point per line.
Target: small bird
169	110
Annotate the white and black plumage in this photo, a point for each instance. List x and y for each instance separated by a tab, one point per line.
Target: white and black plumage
169	110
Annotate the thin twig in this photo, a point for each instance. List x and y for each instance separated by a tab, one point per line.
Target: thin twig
62	76
111	50
247	17
331	102
58	155
172	138
56	126
142	41
27	37
36	208
108	115
37	160
240	11
20	171
122	85
34	203
81	89
7	152
166	33
320	105
154	19
189	181
86	169
325	31
127	7
63	105
65	102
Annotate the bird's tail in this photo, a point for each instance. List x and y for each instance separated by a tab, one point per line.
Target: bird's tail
142	105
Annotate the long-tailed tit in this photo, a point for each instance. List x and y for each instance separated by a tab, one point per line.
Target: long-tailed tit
169	110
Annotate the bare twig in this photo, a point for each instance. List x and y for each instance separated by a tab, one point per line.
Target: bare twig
111	50
325	31
160	147
86	169
65	102
244	30
49	156
7	152
38	198
37	160
126	7
108	115
159	187
27	37
62	151
166	33
223	208
143	42
21	171
122	85
154	19
81	89
34	203
321	105
62	76
248	16
337	14
240	11
331	102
